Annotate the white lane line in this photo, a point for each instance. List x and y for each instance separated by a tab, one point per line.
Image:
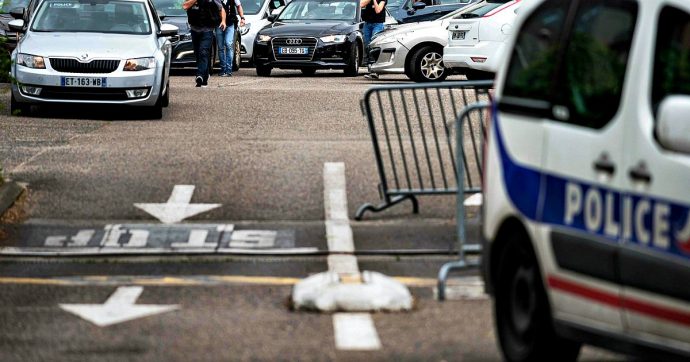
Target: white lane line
338	230
355	332
474	200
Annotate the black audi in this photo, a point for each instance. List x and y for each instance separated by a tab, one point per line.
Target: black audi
310	35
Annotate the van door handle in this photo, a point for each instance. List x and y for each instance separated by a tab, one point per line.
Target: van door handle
604	164
640	173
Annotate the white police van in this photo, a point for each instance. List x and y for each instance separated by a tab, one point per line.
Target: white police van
587	181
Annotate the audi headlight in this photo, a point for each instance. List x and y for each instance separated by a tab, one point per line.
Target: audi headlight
264	38
334	38
137	64
31	61
245	29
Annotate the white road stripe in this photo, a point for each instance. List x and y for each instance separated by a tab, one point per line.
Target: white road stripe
474	200
355	332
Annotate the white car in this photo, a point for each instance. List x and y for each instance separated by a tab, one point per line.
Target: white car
476	42
100	51
417	49
586	212
256	13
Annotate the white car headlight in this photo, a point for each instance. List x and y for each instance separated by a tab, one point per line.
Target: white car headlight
31	61
138	64
245	29
264	38
333	38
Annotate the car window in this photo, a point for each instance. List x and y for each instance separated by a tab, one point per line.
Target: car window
595	61
319	10
533	63
8	5
672	55
252	7
451	2
170	7
480	9
103	16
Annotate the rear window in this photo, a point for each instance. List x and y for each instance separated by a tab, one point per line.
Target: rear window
8	5
481	9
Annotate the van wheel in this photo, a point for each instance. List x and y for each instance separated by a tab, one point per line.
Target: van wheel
263	70
521	310
426	65
352	68
19	109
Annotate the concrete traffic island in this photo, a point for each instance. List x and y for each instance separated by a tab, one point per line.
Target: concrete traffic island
366	292
9	193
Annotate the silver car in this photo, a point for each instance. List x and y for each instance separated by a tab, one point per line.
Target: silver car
92	51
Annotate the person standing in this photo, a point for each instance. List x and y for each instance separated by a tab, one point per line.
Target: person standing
374	17
204	16
225	38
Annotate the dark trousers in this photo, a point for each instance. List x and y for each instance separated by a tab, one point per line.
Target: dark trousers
202	41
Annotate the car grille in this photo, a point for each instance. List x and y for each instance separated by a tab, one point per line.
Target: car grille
67	65
84	94
309	43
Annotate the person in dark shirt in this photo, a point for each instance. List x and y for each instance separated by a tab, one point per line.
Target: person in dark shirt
374	16
204	16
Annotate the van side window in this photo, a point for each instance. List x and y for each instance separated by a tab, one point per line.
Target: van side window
672	55
534	60
591	81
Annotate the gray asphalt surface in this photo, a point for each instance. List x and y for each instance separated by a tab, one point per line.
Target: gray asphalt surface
257	146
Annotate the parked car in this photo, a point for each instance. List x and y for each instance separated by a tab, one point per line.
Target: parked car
182	47
310	35
6	15
477	41
586	207
416	49
104	51
256	13
414	11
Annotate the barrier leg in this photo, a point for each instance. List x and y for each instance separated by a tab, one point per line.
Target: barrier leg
386	205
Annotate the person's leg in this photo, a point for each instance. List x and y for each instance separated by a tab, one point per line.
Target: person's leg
230	46
220	45
206	38
376	28
196	42
367	34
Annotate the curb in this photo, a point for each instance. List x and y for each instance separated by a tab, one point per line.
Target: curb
9	192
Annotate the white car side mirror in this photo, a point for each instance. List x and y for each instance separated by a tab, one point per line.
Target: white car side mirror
673	124
277	11
16	25
168	30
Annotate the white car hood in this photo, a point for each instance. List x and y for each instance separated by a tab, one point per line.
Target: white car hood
95	45
405	28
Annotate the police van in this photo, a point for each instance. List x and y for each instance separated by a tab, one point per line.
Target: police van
587	181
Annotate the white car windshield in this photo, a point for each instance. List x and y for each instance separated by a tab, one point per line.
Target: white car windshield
301	10
92	16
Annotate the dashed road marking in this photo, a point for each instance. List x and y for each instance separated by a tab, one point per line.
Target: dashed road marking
355	332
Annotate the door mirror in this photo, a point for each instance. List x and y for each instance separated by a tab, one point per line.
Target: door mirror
277	11
673	125
419	5
16	25
272	18
161	15
18	13
168	30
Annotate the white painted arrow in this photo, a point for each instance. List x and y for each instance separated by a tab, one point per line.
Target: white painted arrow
178	206
118	308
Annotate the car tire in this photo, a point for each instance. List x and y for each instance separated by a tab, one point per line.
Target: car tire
237	60
426	65
308	71
19	109
522	314
263	70
352	68
473	74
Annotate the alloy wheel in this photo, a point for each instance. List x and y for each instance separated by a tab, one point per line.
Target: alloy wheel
432	66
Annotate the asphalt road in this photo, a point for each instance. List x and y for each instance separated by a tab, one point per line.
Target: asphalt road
257	146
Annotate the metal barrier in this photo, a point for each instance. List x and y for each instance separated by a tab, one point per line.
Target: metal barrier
476	112
411	128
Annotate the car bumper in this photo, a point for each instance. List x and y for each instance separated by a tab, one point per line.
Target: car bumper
388	58
182	54
471	56
117	82
247	46
335	56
